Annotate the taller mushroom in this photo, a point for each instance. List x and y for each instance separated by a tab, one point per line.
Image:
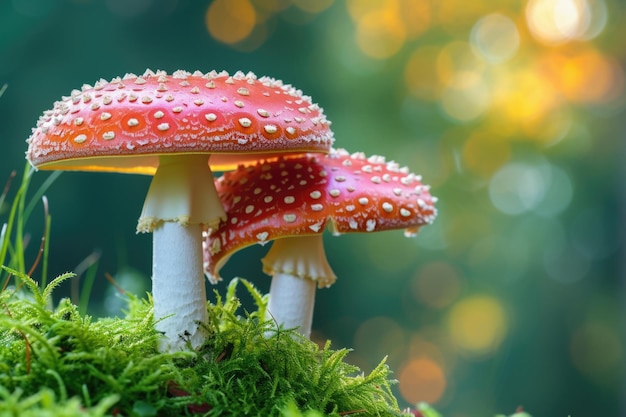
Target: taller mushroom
177	127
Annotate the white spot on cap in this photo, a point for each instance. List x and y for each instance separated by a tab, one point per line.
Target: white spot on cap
270	128
239	103
110	135
397	191
404	212
132	122
363	201
340	178
80	138
163	127
210	84
370	225
211	117
257	190
243	91
177	109
291	130
387	207
317	207
289	218
316	227
79	121
376	179
262	237
289	199
146	100
315	195
158	114
105	116
198	102
334	192
245	122
249	209
268	198
263	113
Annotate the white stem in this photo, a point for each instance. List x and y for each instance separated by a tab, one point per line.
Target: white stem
178	287
181	200
297	265
291	302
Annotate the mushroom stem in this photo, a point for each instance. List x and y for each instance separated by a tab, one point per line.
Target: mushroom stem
181	200
296	265
178	287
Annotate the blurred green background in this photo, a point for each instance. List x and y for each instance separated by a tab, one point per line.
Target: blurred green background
512	110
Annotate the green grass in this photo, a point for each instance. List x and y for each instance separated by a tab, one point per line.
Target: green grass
56	360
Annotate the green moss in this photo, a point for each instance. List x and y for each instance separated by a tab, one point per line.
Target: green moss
62	362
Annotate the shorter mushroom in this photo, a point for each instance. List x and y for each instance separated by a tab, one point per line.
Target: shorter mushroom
291	200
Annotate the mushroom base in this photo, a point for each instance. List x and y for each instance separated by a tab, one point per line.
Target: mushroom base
178	286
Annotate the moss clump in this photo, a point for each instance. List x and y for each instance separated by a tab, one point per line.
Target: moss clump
59	362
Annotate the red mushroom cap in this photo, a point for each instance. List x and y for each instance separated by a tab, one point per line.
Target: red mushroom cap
141	117
298	196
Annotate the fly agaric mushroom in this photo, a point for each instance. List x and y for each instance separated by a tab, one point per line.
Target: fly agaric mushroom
168	126
291	200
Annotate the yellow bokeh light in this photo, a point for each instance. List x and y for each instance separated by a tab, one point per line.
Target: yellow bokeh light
380	35
421	379
361	8
523	100
477	325
457	16
558	21
584	75
230	21
416	16
420	73
436	285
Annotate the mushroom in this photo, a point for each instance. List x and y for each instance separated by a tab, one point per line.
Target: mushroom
291	200
168	126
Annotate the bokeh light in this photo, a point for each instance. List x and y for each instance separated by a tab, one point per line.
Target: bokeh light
477	324
557	21
421	379
495	38
230	21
